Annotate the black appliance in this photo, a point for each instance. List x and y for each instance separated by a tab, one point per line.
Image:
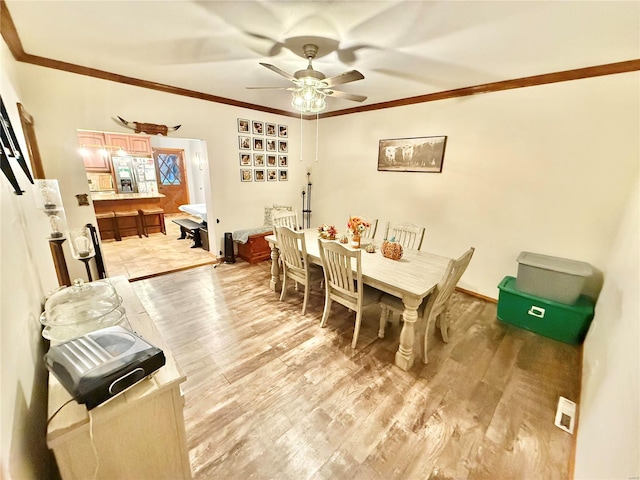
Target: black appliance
98	366
229	255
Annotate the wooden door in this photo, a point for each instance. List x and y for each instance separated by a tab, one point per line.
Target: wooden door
172	178
28	128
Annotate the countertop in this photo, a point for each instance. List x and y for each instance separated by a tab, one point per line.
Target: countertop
99	197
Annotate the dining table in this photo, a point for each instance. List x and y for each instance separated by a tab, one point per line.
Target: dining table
411	278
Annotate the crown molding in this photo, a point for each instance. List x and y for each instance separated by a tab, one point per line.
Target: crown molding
556	77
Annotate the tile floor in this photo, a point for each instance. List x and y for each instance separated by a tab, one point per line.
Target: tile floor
139	258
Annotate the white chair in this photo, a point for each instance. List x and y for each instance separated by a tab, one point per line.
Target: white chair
285	218
439	301
296	266
406	234
344	285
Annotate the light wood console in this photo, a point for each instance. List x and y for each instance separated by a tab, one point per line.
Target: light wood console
137	434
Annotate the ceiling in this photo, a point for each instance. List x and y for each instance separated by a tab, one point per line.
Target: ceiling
403	48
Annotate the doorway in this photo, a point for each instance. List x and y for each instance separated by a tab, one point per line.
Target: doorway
172	178
182	175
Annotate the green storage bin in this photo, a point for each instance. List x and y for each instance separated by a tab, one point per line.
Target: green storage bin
562	322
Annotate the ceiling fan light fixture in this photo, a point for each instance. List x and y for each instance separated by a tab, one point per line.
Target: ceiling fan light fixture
308	100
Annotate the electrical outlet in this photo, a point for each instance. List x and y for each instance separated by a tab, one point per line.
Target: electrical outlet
566	415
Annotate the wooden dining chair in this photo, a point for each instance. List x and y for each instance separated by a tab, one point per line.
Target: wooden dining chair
285	218
296	266
406	234
439	301
343	284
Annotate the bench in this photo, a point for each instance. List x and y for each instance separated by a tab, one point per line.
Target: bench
190	229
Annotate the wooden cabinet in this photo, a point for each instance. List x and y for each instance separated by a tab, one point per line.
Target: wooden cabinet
140	145
131	144
97	148
94	154
257	249
117	141
138	434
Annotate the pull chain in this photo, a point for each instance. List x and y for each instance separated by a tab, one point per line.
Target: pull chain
301	142
317	134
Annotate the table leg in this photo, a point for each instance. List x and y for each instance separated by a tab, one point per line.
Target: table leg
405	354
197	241
274	283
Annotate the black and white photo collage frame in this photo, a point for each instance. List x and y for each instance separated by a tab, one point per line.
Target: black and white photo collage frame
264	151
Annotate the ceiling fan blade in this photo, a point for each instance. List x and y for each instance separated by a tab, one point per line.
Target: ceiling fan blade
346	77
345	95
279	71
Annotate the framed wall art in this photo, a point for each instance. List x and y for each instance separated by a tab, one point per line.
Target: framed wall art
258	151
258	128
244	143
245	174
421	154
258	159
243	125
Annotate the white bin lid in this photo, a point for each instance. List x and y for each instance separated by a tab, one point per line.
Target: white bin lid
557	264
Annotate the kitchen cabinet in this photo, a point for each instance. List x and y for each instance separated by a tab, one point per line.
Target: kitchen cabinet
140	433
94	153
139	145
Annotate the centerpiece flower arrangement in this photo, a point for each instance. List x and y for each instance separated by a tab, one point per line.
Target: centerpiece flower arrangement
328	232
357	226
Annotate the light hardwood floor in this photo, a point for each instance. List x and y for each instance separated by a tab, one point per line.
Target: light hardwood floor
271	395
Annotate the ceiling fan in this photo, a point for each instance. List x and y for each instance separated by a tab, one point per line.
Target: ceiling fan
312	86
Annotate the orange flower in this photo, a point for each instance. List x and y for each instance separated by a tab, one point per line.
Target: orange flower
357	225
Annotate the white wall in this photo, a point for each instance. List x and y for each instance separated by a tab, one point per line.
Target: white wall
609	425
26	274
545	169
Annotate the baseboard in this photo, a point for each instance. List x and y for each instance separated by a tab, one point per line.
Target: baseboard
477	295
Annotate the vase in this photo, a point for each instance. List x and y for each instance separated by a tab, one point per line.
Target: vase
355	241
